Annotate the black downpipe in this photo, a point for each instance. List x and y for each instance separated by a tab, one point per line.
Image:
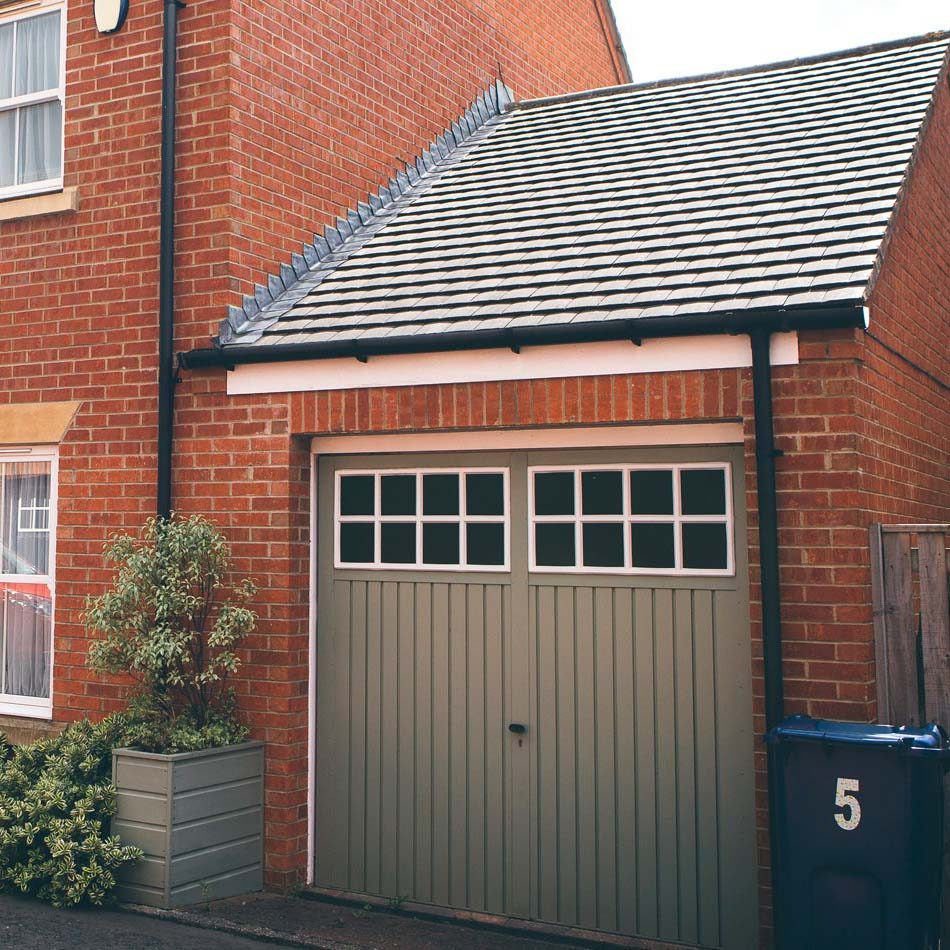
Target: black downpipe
765	454
166	261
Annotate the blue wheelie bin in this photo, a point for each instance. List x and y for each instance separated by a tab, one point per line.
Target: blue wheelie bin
859	821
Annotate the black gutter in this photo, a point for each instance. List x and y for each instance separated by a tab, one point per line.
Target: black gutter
729	322
166	262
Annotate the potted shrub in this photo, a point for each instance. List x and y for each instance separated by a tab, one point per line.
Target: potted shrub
189	787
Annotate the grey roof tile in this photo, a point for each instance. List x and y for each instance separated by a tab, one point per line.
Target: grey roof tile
758	189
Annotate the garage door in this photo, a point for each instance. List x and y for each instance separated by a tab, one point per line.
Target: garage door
534	688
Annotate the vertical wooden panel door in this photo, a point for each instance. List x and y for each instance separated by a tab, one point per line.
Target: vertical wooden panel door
625	806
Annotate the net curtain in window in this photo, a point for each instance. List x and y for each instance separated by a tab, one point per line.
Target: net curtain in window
27	621
27	607
37	70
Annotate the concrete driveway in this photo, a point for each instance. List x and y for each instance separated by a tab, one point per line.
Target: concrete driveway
30	925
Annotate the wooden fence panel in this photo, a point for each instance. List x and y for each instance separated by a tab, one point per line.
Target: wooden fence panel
934	627
912	646
899	658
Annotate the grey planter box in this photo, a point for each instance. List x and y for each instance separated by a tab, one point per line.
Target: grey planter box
198	818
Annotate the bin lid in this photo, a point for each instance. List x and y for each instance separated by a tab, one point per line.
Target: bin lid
929	739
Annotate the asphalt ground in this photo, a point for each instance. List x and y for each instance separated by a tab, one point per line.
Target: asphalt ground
30	925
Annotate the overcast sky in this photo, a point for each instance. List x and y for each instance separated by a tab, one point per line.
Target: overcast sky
670	38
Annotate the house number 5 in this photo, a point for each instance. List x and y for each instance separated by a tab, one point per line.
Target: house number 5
844	800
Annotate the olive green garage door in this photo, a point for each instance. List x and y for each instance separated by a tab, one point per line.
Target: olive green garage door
534	684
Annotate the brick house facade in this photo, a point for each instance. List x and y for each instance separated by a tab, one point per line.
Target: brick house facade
314	105
282	130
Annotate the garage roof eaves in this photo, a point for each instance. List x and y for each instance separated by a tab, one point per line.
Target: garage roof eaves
633	330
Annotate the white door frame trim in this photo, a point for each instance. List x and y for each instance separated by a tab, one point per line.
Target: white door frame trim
472	440
494	439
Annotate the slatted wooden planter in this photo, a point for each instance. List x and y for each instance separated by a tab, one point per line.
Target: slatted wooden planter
198	818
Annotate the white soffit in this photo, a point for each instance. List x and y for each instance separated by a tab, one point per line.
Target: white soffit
608	358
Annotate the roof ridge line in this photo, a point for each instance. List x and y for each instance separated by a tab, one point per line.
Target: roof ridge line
269	302
855	51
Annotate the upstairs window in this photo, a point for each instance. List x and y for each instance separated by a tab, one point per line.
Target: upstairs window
32	99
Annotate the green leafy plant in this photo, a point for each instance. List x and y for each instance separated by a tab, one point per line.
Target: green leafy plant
172	622
56	799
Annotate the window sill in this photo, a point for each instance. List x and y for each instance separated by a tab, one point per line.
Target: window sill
25	710
58	202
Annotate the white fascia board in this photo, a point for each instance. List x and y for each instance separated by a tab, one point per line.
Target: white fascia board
607	358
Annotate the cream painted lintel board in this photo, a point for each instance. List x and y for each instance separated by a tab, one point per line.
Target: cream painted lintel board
36	423
548	361
33	206
469	440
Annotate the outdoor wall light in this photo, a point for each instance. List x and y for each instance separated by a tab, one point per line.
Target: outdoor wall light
110	14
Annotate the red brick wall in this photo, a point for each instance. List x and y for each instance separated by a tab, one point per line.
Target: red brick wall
903	397
287	114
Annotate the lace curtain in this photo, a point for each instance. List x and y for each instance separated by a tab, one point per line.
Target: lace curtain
27	605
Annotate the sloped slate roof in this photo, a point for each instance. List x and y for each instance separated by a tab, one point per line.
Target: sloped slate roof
761	189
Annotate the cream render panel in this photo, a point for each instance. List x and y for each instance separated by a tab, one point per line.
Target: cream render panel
669	354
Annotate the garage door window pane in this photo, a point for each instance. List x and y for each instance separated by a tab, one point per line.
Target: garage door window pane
603	545
398	542
356	495
450	519
651	492
703	491
705	547
652	545
602	493
484	494
554	493
485	544
666	519
356	543
554	545
398	494
440	543
440	494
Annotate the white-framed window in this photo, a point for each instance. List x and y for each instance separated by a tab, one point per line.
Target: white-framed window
27	558
32	99
441	519
631	519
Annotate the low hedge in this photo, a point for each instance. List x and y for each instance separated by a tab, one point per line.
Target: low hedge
57	798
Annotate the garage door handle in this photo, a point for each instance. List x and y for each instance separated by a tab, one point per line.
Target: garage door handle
517	728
